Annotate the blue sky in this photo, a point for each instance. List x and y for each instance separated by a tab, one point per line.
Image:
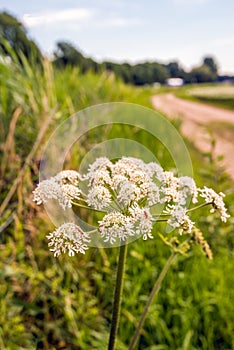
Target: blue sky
134	30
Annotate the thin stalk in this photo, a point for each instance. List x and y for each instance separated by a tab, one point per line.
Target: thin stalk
159	220
149	301
199	206
162	214
189	210
28	160
117	296
86	207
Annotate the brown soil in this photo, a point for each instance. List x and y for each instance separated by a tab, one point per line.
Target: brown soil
196	121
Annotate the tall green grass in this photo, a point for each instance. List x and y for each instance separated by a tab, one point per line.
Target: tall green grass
65	303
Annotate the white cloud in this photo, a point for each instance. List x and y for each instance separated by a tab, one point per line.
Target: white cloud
74	16
62	16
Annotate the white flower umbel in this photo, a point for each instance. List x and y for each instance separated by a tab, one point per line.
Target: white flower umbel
68	238
68	176
153	194
53	189
98	197
64	187
47	189
216	199
153	170
71	191
179	219
115	226
169	187
187	187
129	191
142	219
100	164
141	180
125	192
100	178
127	166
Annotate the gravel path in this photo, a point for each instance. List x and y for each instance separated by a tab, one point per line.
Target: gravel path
197	118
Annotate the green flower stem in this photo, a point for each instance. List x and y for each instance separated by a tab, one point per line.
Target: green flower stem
188	211
86	207
199	206
117	296
151	297
159	220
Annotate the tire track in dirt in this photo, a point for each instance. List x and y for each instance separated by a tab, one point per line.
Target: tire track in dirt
196	120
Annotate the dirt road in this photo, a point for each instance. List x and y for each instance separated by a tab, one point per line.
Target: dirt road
197	118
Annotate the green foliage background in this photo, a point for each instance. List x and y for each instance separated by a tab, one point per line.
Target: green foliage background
65	303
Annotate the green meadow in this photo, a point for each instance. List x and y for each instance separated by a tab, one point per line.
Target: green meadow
217	95
65	303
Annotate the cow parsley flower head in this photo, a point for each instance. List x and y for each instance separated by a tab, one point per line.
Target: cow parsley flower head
177	215
115	226
68	176
100	164
98	197
71	191
153	196
68	237
47	189
127	166
169	186
216	199
153	170
130	195
187	187
100	178
143	220
128	192
53	189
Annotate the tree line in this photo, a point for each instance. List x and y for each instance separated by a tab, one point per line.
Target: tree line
137	74
14	35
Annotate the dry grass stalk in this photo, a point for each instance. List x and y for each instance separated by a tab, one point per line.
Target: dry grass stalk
31	154
9	146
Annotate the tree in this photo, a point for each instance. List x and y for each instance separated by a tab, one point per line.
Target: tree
174	70
202	74
126	72
159	73
67	54
149	73
13	32
210	62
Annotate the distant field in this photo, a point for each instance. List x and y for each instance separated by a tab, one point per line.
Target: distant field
217	95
